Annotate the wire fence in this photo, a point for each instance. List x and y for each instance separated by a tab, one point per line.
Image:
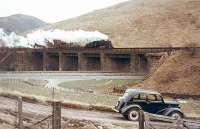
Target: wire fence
152	121
19	118
23	115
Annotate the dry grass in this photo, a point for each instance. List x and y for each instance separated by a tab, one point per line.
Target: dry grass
84	124
67	95
179	74
74	97
97	86
6	126
143	23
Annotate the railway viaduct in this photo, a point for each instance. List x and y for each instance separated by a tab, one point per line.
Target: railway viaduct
130	60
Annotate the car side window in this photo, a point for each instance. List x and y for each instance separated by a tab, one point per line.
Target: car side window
142	96
159	98
151	97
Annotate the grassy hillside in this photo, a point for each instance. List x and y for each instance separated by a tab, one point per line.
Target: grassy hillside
143	23
20	23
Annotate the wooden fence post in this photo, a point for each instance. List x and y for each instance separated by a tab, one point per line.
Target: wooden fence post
141	119
179	124
20	116
56	118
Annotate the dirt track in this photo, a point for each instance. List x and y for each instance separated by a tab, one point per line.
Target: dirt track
7	104
34	112
68	75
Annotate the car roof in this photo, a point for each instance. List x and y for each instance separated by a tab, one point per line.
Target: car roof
135	91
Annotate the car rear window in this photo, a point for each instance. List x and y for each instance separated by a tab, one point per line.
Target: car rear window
151	97
158	98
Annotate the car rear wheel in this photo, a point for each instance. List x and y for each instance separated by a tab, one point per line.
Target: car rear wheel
176	115
133	114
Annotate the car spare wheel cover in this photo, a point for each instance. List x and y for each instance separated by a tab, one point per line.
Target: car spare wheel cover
134	115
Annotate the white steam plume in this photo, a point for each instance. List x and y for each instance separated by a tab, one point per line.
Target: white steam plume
12	40
42	37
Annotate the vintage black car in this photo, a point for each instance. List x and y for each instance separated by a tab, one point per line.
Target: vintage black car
134	100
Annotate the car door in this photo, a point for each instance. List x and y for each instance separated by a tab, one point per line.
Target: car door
160	104
154	104
138	99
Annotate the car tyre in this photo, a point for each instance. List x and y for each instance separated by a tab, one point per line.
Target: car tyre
176	115
133	115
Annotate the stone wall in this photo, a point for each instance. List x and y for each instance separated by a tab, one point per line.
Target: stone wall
124	61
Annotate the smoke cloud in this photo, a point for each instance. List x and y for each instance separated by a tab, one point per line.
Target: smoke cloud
12	40
42	37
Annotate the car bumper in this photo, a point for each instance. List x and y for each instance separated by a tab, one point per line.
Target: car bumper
115	109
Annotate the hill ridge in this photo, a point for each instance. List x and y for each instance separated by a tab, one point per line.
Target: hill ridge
143	23
20	23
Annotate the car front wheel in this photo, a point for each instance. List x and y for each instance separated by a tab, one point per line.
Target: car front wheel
133	114
176	115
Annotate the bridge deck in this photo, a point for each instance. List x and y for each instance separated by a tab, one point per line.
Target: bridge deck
106	50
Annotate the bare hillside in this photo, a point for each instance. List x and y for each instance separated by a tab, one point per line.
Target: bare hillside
179	73
143	23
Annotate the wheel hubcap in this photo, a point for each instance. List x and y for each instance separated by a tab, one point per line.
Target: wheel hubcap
176	116
134	115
